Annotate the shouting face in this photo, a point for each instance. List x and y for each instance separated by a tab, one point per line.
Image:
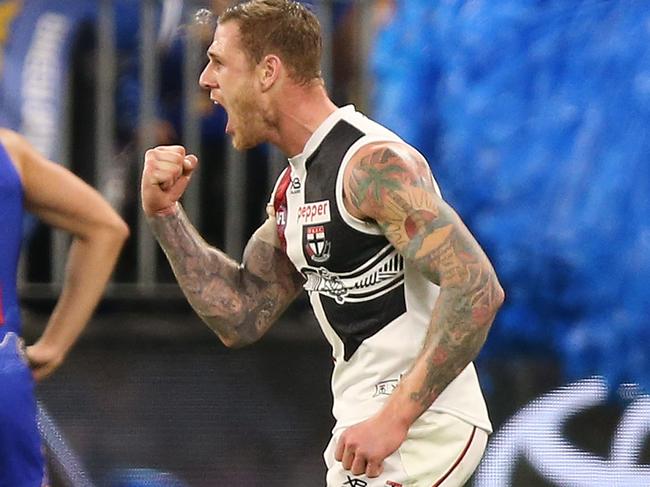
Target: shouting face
230	76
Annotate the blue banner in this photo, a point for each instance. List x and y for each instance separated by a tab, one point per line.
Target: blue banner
36	69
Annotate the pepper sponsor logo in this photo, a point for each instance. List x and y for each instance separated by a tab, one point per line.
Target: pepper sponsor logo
314	213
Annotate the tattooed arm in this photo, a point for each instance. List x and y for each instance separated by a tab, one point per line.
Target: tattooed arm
392	185
239	302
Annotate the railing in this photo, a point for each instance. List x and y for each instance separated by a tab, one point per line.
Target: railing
114	170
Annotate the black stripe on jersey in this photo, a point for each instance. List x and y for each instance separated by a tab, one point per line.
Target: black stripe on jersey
360	281
355	322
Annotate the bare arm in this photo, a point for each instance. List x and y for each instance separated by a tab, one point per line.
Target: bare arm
239	302
392	185
64	201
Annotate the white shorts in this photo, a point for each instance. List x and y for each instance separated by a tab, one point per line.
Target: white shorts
440	451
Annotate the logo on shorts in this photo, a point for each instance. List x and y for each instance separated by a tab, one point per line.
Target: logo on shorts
355	482
390	483
318	249
385	387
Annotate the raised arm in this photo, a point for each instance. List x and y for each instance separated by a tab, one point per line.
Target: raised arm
62	200
239	302
392	185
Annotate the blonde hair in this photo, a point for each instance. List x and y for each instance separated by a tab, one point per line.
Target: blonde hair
281	27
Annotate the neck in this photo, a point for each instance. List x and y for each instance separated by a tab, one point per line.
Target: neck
300	112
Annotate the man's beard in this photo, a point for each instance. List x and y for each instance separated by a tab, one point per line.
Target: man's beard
251	127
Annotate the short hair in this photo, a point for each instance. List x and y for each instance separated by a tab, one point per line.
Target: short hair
281	27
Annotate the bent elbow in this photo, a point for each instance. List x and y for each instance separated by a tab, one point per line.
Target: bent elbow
119	230
112	233
229	334
499	295
487	304
124	232
229	342
234	342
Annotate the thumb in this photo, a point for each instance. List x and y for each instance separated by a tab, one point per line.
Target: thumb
189	164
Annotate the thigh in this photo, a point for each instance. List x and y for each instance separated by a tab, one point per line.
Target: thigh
440	451
21	457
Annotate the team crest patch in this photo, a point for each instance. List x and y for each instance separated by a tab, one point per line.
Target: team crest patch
318	247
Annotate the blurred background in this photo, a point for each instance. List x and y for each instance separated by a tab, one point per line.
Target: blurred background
534	117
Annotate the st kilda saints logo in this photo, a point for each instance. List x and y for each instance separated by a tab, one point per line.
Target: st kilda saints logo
317	248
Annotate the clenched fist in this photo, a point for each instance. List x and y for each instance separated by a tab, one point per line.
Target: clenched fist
167	171
362	448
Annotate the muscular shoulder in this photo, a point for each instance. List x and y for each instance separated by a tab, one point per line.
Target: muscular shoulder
378	172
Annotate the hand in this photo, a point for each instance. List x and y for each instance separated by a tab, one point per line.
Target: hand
362	448
166	174
43	359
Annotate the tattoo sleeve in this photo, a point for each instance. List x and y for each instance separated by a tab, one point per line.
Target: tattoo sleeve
239	302
394	187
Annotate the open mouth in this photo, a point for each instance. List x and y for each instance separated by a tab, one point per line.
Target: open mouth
229	127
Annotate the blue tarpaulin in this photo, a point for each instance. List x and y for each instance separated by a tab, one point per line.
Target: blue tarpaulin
534	117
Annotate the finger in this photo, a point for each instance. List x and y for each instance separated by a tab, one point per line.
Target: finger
340	448
348	458
374	468
166	173
166	170
157	171
178	188
163	153
164	180
358	465
172	167
189	164
176	149
158	157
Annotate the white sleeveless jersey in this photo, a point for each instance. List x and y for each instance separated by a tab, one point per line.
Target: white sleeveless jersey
373	307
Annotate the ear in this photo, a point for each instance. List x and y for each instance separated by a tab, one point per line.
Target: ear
269	71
